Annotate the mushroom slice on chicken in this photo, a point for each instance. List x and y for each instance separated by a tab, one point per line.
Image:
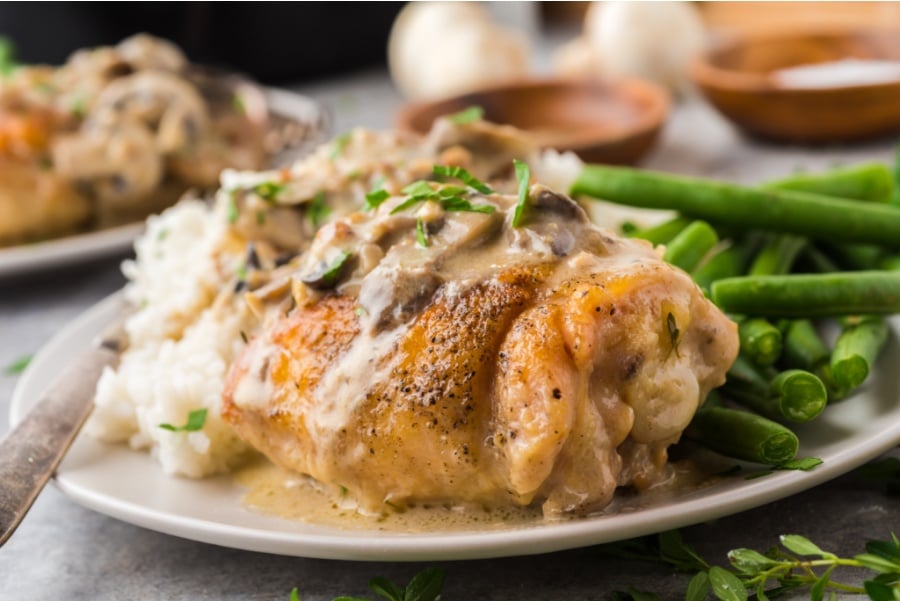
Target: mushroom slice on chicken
546	364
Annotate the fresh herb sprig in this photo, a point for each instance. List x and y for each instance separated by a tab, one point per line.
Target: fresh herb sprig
195	421
449	197
457	172
523	177
801	564
268	191
18	365
424	586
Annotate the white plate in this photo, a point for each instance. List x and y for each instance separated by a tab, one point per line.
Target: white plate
60	252
78	248
128	485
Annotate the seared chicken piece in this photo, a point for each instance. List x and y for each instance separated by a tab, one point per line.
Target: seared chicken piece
433	355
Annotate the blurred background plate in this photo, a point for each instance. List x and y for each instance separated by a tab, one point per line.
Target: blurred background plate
297	125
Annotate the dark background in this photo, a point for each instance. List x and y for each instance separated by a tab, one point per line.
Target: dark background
274	42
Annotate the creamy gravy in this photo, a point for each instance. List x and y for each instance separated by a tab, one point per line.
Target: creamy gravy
276	491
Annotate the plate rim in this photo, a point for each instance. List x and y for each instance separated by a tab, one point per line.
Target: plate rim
361	545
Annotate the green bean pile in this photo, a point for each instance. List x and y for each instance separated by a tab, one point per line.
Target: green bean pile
779	259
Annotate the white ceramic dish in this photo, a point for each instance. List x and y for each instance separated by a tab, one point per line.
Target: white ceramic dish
17	260
128	485
79	248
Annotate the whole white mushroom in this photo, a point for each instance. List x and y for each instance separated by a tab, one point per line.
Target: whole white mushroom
444	48
650	40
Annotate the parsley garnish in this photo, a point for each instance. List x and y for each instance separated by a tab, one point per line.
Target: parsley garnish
449	197
330	276
421	237
195	422
19	365
523	176
237	101
318	210
232	208
268	191
7	56
340	143
462	175
375	198
467	115
79	108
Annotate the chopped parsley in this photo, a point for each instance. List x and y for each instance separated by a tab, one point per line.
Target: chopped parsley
462	175
331	273
195	422
7	56
18	366
237	101
340	143
162	234
449	197
421	237
318	211
268	191
375	198
242	271
467	115
523	176
232	208
79	108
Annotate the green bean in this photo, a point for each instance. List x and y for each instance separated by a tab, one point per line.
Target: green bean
867	181
726	263
778	256
742	435
688	248
856	256
760	341
794	395
812	215
805	349
662	233
810	295
856	350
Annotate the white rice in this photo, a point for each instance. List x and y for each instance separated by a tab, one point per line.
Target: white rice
181	341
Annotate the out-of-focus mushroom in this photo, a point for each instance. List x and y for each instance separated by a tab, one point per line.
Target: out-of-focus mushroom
117	164
166	104
649	40
445	48
144	51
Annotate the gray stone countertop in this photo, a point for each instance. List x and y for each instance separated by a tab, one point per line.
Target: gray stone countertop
63	551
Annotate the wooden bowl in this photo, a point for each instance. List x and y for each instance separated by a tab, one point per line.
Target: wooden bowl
602	122
740	78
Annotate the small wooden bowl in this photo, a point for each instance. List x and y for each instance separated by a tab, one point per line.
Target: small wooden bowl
602	122
739	78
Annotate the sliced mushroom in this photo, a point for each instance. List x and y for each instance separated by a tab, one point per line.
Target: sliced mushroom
168	105
117	164
147	52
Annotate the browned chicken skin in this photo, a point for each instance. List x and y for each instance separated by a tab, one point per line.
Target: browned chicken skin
545	364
